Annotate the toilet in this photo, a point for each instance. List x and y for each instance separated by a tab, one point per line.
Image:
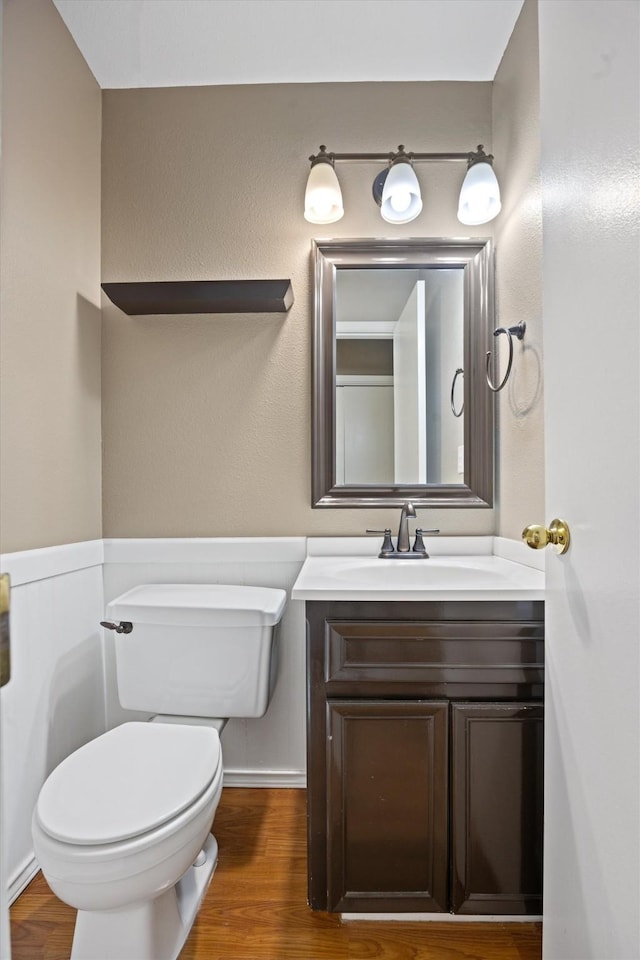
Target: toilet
121	828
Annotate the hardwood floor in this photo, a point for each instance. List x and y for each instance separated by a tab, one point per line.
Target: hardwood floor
256	905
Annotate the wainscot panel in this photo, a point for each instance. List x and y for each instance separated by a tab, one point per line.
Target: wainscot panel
54	701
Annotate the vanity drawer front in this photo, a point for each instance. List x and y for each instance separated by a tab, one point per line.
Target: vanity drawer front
399	653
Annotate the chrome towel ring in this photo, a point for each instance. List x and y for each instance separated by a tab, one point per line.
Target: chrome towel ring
459	373
517	331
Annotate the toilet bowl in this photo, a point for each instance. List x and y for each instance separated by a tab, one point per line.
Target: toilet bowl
116	830
121	827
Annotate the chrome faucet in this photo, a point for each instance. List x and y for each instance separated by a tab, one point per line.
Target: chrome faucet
403	550
408	511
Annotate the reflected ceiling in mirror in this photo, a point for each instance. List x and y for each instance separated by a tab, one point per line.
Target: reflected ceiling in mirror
400	407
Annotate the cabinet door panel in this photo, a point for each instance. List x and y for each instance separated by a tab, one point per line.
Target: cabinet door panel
496	826
387	805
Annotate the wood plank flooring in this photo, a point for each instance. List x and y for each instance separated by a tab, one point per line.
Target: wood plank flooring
256	905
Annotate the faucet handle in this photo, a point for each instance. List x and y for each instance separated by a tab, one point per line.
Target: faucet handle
418	546
387	543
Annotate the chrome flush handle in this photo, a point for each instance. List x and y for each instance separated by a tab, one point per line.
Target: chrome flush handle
123	627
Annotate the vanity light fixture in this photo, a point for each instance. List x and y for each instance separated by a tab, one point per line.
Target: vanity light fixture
396	189
399	200
323	197
480	193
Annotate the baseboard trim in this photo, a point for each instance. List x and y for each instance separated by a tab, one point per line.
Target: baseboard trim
440	918
265	778
22	879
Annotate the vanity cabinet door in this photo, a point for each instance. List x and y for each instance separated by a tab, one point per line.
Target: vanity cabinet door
496	808
387	805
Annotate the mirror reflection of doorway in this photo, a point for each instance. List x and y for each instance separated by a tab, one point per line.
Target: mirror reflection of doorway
394	367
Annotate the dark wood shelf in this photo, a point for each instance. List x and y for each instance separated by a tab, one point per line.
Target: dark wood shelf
201	296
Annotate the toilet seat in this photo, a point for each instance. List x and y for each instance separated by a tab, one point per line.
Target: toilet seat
128	782
109	876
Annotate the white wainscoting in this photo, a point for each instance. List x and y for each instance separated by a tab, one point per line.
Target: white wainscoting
271	750
54	701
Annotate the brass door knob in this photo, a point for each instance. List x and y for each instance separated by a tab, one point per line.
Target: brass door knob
556	535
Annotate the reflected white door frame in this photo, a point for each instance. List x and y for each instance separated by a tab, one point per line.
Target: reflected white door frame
410	390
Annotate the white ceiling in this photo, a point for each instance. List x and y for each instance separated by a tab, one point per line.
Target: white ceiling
373	296
160	43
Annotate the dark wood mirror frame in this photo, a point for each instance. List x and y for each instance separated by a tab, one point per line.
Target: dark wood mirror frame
475	257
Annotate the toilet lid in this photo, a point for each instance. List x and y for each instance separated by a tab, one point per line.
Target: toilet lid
132	779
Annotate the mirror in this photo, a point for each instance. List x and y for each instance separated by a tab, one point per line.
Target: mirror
401	409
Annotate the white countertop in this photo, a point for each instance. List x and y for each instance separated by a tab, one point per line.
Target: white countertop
458	568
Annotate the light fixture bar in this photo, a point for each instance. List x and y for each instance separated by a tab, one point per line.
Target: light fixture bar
386	157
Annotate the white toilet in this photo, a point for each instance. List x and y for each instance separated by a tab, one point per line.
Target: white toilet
121	827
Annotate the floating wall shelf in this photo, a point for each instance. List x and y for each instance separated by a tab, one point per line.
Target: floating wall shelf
201	296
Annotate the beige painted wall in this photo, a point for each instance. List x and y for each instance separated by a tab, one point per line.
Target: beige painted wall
206	420
50	455
516	145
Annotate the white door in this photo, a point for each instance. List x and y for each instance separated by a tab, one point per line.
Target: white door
364	431
409	390
590	119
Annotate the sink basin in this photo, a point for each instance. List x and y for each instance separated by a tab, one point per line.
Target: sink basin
440	577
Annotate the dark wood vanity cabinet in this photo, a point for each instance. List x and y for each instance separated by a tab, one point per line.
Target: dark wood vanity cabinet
425	737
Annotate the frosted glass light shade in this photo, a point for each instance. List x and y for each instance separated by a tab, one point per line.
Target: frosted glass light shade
323	198
401	200
479	195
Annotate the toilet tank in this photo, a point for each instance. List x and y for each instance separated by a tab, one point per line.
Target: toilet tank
200	650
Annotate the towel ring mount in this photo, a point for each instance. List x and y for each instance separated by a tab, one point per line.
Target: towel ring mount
517	331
